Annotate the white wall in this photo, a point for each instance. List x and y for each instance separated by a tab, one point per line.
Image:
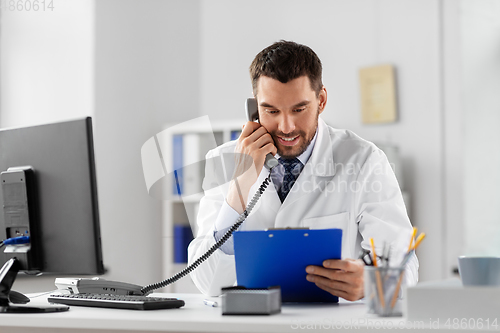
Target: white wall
47	64
480	27
346	35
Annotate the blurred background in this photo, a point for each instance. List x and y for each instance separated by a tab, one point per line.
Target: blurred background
135	66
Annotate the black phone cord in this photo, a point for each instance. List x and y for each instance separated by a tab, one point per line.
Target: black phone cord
147	289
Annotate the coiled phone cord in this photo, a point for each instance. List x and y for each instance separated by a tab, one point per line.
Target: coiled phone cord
147	289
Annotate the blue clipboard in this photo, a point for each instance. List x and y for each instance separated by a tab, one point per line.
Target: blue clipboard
280	257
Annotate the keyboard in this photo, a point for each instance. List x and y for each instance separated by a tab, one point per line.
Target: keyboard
117	301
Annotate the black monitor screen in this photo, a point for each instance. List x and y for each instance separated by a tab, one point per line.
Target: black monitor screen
61	156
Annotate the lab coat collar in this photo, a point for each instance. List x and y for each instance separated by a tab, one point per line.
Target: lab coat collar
321	163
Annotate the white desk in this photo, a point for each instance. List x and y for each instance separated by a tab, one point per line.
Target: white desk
197	317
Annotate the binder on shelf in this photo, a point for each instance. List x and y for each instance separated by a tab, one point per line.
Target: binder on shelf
235	134
177	156
196	147
178	160
182	237
189	150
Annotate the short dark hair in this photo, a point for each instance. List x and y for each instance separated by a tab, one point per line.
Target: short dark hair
285	61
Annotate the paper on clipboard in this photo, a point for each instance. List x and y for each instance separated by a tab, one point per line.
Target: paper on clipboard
280	257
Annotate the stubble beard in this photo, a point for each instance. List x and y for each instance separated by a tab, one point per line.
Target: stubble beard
288	153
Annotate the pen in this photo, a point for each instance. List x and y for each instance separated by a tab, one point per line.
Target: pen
210	303
382	259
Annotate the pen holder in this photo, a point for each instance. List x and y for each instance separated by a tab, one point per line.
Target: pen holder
382	286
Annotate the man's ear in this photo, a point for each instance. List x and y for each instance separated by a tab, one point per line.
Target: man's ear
322	98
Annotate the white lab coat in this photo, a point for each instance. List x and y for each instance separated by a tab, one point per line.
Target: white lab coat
347	183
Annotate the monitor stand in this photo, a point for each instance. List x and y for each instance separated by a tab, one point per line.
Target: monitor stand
8	274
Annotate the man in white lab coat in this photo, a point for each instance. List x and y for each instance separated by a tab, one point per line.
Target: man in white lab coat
327	178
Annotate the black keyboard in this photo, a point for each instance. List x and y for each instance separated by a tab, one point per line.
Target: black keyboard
117	301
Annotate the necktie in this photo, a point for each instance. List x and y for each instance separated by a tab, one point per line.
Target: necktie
293	167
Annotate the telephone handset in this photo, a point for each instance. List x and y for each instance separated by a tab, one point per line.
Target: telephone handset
252	112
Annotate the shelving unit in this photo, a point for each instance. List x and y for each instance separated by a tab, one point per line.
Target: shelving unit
182	209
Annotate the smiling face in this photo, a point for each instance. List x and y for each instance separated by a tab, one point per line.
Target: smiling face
289	111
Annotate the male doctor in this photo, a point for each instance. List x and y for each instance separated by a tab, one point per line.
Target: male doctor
327	178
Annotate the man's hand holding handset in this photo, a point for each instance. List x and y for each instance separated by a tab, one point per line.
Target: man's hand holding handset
252	147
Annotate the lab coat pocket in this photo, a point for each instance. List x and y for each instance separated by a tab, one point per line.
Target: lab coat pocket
327	222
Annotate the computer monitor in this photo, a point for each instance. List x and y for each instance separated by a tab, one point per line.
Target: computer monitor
61	190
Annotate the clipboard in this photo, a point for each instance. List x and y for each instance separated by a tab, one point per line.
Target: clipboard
280	257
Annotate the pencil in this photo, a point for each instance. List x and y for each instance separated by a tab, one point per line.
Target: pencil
380	288
419	239
374	259
396	291
413	234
